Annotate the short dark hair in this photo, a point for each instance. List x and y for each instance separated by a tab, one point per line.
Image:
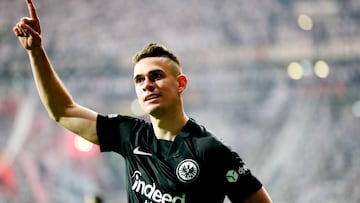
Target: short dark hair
155	49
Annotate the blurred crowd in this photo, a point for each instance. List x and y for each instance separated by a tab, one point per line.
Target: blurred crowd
300	137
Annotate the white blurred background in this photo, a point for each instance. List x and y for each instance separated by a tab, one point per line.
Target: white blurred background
276	80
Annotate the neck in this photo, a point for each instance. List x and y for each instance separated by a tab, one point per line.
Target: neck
167	127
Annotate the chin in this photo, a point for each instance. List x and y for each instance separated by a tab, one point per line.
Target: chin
155	112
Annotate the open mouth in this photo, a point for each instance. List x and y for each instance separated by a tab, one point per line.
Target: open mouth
152	96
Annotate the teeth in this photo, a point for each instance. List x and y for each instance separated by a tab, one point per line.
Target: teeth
152	97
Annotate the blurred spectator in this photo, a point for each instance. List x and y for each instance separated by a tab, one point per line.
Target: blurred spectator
95	198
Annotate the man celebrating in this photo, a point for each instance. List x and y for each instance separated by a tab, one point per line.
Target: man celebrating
172	158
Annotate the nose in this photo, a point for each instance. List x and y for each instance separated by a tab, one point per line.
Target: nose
148	85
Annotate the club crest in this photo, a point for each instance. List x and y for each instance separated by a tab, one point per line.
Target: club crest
187	171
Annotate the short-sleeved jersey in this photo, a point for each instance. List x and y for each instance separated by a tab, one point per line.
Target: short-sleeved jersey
194	168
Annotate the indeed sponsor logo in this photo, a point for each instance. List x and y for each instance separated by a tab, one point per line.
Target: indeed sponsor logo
152	193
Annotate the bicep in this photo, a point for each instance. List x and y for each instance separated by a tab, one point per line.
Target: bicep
81	121
260	196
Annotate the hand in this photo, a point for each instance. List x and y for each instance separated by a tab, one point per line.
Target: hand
28	29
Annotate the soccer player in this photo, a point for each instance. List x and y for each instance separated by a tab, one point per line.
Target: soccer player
172	158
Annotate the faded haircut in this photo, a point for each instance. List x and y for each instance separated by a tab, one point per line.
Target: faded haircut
155	49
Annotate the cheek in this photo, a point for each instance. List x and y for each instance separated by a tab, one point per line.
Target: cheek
138	92
170	85
172	91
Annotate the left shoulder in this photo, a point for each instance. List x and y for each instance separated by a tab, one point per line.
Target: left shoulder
204	141
200	134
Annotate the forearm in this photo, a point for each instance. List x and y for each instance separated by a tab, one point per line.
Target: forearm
53	94
261	196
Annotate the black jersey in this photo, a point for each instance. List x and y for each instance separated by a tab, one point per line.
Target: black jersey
194	168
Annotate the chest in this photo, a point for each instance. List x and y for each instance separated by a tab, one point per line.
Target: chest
175	170
172	166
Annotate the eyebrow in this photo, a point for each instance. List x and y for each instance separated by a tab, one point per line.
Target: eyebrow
149	73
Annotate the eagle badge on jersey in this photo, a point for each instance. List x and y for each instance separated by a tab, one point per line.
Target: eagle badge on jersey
187	171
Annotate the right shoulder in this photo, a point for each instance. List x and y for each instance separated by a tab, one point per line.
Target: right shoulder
117	132
120	121
125	126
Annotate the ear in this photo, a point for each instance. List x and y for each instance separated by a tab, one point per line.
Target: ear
182	82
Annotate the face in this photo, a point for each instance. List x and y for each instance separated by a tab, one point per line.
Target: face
157	87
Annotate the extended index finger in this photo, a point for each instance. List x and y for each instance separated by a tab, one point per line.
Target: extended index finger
32	10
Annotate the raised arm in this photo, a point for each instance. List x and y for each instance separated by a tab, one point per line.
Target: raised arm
53	94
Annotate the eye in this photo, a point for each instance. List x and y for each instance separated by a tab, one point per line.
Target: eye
139	80
156	76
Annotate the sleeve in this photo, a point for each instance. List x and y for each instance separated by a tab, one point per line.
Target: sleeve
108	135
115	132
239	183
